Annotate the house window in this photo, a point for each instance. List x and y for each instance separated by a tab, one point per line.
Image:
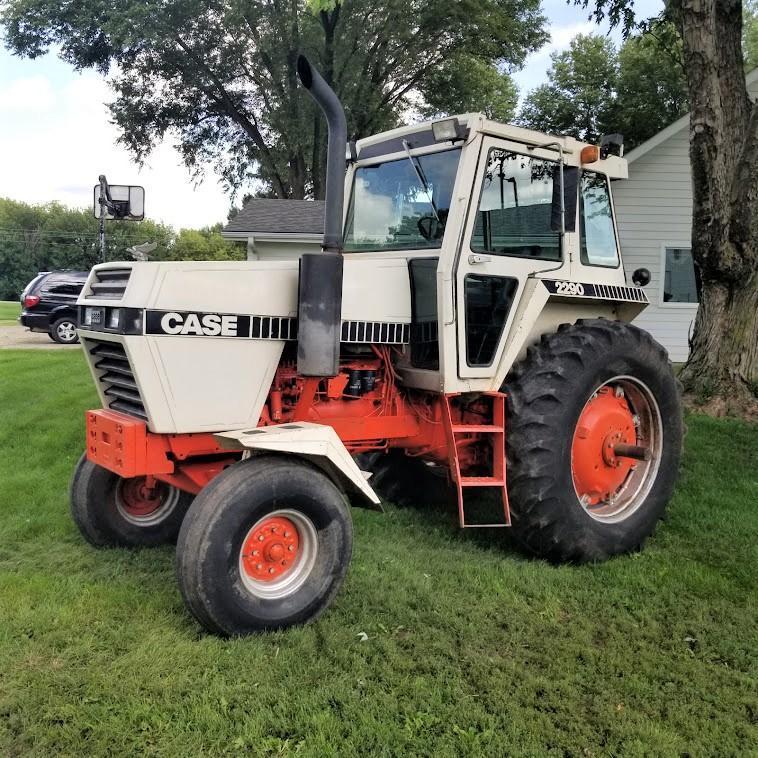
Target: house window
679	281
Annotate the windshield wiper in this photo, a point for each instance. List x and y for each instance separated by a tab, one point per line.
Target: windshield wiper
421	179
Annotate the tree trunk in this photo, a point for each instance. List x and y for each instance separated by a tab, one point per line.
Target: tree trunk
723	363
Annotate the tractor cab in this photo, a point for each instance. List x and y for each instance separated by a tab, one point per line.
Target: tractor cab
488	218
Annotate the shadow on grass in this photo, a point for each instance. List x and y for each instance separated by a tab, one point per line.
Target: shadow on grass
442	515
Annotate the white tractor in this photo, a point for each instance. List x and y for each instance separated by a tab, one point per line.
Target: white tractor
468	316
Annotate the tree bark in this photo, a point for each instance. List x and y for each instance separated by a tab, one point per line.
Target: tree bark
723	365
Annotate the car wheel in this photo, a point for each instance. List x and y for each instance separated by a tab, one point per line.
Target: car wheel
64	331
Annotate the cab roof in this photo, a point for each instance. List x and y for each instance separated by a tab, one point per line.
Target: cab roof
420	136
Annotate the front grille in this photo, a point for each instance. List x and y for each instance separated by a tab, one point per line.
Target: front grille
380	332
117	380
109	283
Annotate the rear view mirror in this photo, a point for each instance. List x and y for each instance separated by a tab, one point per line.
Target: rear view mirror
570	184
123	202
641	277
429	227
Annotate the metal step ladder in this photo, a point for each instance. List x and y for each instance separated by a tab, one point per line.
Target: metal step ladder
457	436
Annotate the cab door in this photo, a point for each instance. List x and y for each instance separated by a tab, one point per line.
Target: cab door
511	232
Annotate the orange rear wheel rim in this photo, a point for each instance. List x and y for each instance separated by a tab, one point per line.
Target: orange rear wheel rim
605	420
621	417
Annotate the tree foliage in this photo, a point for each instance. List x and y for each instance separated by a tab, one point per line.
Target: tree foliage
750	34
221	76
593	89
47	237
465	84
203	245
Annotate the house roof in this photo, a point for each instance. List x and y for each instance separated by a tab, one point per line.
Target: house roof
271	216
676	127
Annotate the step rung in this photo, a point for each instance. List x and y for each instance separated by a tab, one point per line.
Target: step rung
474	428
483	526
481	481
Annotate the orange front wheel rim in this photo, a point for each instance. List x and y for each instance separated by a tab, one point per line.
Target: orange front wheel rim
277	554
270	549
144	501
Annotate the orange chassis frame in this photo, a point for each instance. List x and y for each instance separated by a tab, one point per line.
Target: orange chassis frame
433	426
123	444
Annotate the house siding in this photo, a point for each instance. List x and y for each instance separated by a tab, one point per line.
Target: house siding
278	250
654	211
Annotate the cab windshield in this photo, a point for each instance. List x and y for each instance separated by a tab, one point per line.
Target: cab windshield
397	205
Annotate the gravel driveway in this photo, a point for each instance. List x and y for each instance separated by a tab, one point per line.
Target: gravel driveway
17	336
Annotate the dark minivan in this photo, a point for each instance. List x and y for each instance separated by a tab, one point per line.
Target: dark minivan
49	304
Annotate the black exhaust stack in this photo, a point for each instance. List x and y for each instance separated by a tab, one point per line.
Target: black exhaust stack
320	292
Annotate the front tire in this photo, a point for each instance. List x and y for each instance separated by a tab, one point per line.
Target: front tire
266	545
111	511
579	397
63	331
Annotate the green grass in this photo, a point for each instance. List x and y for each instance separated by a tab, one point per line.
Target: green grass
472	649
9	312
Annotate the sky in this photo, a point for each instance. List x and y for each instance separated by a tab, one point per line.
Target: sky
56	137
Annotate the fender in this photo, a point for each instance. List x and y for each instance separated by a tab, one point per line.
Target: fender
64	310
316	443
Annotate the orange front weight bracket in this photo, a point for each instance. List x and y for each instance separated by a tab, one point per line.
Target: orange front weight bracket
122	444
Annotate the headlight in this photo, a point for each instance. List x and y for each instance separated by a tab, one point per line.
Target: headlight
114	316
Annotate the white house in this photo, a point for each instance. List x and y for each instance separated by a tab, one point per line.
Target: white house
275	229
654	216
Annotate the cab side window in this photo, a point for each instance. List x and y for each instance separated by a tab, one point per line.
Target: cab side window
515	207
598	245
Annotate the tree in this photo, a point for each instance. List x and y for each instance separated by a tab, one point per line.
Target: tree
593	90
204	245
221	76
723	362
465	84
47	237
579	97
652	90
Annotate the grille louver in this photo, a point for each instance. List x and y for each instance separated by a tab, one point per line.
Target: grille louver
110	283
117	380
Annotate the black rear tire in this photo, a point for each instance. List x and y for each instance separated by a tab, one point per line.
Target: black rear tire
100	508
406	481
63	331
215	559
547	393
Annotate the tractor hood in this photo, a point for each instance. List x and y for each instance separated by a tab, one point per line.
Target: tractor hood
158	336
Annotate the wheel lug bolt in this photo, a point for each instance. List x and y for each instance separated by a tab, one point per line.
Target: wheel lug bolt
258	566
271	571
291	548
261	538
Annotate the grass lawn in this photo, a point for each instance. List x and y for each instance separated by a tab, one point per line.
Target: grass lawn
9	312
472	649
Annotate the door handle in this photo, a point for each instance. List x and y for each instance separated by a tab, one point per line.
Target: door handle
475	259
